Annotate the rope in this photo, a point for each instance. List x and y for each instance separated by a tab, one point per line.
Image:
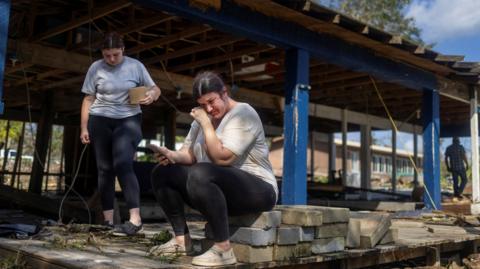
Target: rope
396	130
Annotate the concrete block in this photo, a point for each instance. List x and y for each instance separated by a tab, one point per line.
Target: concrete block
326	245
329	214
298	215
263	220
288	235
247	235
354	231
307	234
253	236
331	230
291	252
390	237
249	254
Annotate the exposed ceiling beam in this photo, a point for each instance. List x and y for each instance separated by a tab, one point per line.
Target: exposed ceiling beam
97	13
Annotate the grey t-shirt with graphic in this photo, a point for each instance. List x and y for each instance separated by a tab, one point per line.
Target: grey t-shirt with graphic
241	131
110	85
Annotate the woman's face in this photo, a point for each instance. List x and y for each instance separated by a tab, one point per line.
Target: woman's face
214	103
112	56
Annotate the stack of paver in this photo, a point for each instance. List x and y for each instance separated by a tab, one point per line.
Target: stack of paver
288	232
367	229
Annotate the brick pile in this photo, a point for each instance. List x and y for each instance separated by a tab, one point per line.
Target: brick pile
287	232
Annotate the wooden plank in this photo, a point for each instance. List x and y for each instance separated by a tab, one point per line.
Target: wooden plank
138	26
220	58
193	49
97	13
189	32
367	205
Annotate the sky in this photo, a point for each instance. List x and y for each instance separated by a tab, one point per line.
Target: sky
453	26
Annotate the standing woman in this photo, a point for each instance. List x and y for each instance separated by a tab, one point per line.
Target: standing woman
114	126
222	169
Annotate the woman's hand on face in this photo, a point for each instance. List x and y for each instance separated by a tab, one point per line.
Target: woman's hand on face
200	115
84	137
162	154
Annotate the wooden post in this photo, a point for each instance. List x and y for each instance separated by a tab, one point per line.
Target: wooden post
366	159
44	130
294	185
344	147
431	148
475	207
332	156
312	155
17	157
5	151
415	156
394	160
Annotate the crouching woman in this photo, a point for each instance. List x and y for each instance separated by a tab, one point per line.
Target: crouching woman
221	170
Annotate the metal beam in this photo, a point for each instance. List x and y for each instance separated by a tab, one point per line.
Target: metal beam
294	185
243	21
431	148
4	19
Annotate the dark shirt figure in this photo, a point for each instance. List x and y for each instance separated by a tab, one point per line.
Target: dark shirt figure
457	164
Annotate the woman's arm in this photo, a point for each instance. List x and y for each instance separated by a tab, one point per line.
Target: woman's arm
86	104
217	153
166	156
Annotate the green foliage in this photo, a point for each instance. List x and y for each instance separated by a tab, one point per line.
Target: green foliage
161	237
387	15
13	262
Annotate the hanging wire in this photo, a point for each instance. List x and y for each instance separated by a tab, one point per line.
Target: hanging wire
396	130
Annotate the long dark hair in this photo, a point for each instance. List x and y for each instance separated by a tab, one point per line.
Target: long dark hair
113	40
205	82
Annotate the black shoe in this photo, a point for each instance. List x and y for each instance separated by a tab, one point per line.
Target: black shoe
129	228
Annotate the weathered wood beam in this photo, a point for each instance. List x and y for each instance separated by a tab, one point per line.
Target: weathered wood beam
193	49
140	25
17	67
189	32
97	13
220	58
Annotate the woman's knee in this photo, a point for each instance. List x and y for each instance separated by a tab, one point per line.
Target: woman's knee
200	173
157	176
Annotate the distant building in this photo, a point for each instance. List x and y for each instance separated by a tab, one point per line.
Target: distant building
381	161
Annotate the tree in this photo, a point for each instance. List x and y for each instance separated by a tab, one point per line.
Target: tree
387	15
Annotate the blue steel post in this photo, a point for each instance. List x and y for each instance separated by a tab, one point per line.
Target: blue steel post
431	148
294	185
4	18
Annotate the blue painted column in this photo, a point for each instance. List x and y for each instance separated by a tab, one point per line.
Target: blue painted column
4	18
294	185
431	148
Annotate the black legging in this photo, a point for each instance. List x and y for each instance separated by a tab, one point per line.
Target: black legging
115	142
215	191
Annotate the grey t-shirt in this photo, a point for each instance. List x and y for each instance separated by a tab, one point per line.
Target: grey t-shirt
241	131
110	85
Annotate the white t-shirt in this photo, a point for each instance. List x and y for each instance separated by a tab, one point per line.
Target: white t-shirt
241	131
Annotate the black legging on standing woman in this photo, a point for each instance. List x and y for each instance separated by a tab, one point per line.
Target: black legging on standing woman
115	142
215	191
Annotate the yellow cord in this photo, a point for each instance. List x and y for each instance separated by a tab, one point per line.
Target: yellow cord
396	130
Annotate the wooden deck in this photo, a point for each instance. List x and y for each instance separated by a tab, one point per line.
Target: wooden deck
100	250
